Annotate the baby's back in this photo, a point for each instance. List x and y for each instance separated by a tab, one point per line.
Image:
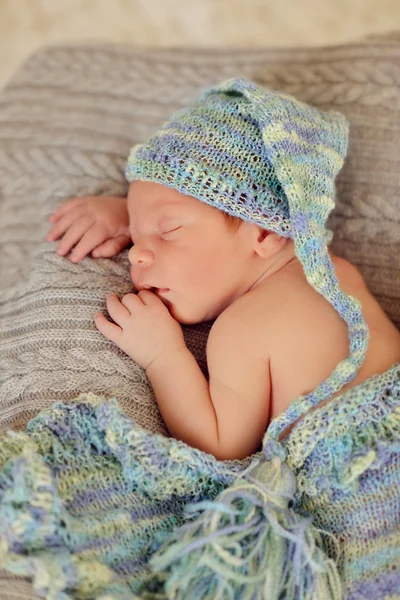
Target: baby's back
304	338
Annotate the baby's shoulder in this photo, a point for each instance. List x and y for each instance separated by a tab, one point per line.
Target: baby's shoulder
285	314
282	298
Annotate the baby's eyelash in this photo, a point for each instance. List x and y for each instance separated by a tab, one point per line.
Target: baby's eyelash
171	231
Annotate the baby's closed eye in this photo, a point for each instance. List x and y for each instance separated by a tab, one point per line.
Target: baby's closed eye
171	231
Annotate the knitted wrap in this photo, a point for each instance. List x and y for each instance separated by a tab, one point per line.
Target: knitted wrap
269	159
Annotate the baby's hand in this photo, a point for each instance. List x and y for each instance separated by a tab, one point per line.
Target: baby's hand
143	327
95	223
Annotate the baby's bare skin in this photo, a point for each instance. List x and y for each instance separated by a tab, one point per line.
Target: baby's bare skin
303	337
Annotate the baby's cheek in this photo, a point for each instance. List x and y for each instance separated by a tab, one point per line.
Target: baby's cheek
202	276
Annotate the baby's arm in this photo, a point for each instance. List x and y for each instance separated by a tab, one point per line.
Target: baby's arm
183	398
228	415
97	224
240	385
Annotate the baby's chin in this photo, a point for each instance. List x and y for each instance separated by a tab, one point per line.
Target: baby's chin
193	314
184	317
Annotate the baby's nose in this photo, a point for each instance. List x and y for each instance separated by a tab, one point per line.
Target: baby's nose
140	256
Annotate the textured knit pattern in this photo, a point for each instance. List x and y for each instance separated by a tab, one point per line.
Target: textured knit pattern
84	489
346	457
68	119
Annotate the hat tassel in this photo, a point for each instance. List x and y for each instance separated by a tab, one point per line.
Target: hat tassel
250	544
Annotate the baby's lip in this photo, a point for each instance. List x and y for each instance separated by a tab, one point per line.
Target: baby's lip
144	286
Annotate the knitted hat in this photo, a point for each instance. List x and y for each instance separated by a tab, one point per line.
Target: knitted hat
269	159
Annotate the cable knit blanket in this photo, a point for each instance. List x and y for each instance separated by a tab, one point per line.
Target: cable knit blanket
67	121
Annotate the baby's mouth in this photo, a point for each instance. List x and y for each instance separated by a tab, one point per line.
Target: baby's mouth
154	289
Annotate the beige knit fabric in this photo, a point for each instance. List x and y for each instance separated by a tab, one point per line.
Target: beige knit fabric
67	121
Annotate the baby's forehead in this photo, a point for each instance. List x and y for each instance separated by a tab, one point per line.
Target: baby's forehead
159	210
159	200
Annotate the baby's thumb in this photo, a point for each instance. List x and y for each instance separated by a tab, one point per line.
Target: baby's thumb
111	247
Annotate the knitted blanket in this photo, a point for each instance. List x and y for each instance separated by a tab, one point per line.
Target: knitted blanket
92	505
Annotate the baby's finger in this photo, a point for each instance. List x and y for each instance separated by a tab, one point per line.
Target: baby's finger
92	237
111	247
117	311
108	329
73	235
64	208
63	224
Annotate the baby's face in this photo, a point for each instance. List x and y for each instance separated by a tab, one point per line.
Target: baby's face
183	244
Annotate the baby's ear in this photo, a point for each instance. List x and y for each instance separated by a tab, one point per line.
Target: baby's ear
263	233
269	242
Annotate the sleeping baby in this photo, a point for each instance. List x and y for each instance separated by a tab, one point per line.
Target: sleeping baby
226	211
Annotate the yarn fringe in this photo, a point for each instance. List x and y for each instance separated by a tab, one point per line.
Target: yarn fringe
249	543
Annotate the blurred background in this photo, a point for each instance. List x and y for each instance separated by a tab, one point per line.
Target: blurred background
28	24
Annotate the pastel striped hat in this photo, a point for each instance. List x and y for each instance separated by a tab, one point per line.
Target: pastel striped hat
269	159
